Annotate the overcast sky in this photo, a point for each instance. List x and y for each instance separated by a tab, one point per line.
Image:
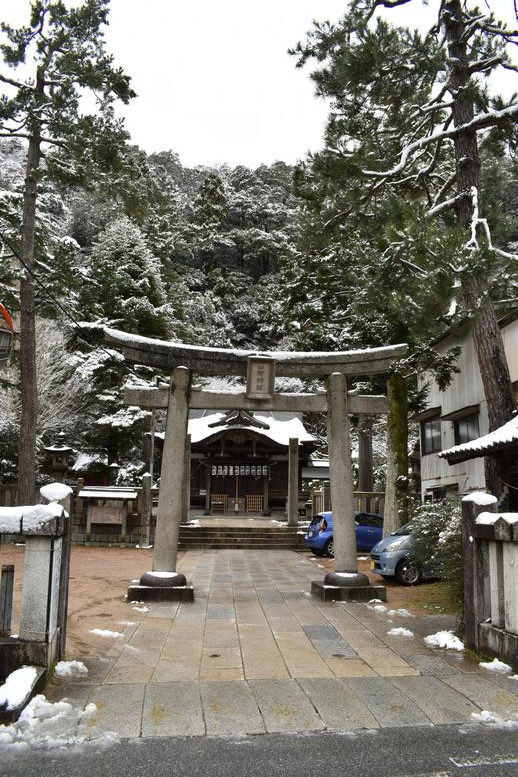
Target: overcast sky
213	77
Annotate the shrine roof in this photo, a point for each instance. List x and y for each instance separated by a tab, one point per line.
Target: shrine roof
278	427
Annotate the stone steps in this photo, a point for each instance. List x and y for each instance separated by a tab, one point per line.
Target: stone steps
228	537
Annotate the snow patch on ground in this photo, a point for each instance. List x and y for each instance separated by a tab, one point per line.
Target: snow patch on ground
17	686
490	718
381	609
106	633
400	632
141	609
70	669
54	726
444	639
496	666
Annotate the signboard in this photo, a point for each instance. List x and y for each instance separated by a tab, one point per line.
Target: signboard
260	377
235	470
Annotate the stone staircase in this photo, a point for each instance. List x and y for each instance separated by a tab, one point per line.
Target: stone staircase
241	537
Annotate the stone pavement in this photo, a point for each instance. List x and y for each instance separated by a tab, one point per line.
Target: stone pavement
256	653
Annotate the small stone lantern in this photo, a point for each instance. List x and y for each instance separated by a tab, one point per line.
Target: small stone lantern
59	457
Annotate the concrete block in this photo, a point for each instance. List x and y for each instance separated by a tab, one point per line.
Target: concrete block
285	706
387	703
339	708
172	709
230	708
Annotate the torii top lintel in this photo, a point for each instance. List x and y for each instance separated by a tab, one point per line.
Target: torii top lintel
231	361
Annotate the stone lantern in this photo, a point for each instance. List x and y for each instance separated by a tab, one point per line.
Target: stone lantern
59	457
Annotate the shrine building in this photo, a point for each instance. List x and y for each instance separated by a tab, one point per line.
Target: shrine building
239	459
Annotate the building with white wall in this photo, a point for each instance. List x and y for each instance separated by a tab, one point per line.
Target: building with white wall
459	414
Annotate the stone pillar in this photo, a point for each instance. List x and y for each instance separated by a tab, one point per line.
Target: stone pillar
171	494
187	480
147	505
40	588
475	554
340	470
293	482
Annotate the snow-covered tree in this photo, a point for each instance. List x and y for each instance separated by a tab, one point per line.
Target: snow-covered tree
394	200
49	66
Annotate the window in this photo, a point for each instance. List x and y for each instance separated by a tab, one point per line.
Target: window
431	435
466	429
369	519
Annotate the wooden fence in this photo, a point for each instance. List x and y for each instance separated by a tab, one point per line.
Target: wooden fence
8	494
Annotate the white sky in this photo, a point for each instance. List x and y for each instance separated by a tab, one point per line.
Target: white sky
213	77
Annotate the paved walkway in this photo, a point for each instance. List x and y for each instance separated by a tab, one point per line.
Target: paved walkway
255	653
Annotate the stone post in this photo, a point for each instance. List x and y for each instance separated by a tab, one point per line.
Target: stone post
293	481
340	470
171	494
187	480
477	588
146	506
40	581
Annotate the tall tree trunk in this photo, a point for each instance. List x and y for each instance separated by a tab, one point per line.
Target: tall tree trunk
396	488
365	474
487	337
29	388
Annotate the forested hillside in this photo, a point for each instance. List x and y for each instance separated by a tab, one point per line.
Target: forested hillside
158	249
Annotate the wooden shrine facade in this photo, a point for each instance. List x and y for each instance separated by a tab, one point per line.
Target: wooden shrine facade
239	461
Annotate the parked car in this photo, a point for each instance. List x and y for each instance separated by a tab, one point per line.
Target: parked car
319	536
391	558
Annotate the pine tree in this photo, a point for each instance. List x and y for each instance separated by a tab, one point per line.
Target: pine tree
64	51
396	193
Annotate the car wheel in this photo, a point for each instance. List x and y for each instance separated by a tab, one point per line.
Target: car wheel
407	573
329	548
317	551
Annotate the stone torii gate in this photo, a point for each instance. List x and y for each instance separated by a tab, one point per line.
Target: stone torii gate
260	370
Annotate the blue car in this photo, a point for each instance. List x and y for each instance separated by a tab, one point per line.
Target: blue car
319	536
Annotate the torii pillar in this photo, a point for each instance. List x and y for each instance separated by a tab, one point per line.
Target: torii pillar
163	582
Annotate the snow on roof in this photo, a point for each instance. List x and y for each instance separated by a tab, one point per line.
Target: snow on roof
84	460
500	438
28	518
281	426
107	493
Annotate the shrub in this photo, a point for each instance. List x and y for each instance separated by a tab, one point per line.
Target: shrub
437	537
